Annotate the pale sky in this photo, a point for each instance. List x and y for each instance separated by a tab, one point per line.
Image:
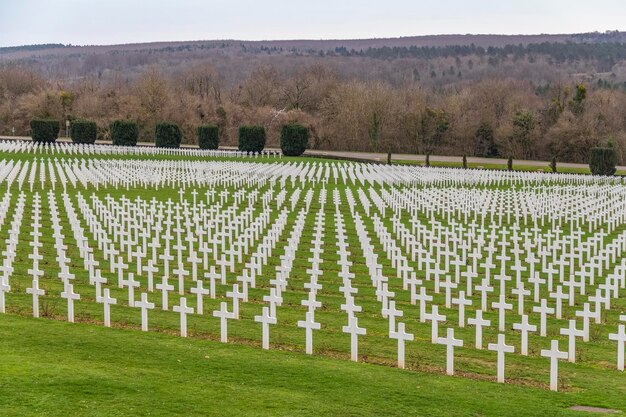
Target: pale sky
101	22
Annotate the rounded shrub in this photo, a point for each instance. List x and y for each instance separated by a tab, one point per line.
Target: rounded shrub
208	137
294	139
251	138
83	131
602	161
168	135
124	133
44	130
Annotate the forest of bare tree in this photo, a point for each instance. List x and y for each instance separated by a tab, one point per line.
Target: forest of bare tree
540	98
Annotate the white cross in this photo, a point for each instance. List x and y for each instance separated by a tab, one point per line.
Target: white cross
554	354
199	291
524	327
70	295
501	348
484	288
212	276
98	280
354	330
461	301
165	288
350	307
559	296
182	273
469	275
502	306
586	314
620	338
106	301
450	342
183	310
423	298
309	324
144	305
36	292
521	294
150	269
392	313
571	332
479	322
311	303
132	284
224	315
193	258
120	265
265	319
543	311
274	299
537	281
4	288
402	337
448	285
435	318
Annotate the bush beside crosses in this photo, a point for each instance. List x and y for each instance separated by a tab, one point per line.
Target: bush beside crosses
124	133
251	138
294	139
208	137
83	131
168	135
602	161
44	130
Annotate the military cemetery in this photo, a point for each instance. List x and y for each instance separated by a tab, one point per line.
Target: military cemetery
312	209
510	277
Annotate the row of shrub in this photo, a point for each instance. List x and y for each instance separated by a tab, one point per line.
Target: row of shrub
294	137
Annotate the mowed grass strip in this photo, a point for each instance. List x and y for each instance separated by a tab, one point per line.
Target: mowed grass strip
59	369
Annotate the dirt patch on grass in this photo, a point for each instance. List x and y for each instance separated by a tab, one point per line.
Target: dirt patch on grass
594	409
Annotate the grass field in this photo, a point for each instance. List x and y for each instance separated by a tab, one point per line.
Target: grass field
502	167
59	369
49	367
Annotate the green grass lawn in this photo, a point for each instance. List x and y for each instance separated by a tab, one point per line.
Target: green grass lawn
51	368
501	167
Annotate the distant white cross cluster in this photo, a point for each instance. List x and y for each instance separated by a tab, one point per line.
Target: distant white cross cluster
91	150
522	263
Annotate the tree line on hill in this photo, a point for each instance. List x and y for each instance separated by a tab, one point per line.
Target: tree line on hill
496	116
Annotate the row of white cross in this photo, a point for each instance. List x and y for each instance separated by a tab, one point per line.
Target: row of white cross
87	150
213	233
50	172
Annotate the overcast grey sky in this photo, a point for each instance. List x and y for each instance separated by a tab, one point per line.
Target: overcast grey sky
126	21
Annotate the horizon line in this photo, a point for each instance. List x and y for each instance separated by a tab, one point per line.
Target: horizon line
348	39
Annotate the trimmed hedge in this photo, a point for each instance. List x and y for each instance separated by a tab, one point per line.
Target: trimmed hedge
44	130
83	131
168	135
602	161
251	138
294	139
208	137
124	133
